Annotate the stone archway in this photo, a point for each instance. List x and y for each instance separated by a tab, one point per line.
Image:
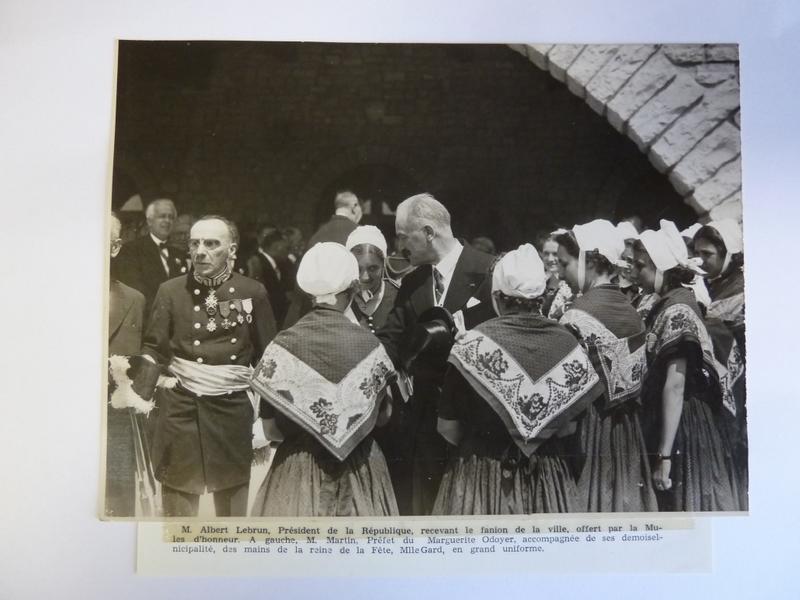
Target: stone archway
678	103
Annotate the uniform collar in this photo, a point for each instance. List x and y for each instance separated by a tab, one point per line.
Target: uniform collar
213	282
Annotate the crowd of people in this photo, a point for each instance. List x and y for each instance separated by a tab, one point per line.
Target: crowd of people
598	369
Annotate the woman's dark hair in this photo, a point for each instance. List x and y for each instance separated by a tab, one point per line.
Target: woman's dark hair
533	305
364	249
570	244
711	235
676	277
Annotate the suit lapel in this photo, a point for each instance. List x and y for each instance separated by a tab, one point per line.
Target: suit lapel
464	282
422	296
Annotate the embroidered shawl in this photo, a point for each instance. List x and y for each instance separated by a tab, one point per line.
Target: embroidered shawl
531	371
613	334
727	299
327	375
676	320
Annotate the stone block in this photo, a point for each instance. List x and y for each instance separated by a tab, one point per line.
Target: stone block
712	74
724	183
730	209
537	53
613	75
586	66
683	54
691	127
714	150
654	74
560	58
722	52
521	48
664	109
737	118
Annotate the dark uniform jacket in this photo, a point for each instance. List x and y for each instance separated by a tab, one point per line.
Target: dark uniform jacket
206	441
139	266
426	450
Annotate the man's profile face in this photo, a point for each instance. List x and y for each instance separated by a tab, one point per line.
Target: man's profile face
161	221
413	242
210	247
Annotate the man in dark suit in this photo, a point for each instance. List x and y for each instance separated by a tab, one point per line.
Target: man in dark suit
270	266
147	262
449	275
125	316
346	217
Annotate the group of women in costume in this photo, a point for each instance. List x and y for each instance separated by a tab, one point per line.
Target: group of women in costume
611	379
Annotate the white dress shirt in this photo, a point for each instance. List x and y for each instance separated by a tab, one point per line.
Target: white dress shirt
446	268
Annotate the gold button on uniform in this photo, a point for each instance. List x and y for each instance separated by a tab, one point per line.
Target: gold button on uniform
197	325
231	290
197	342
200	359
233	357
196	309
197	292
233	340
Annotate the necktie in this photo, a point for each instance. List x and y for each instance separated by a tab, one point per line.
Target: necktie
163	249
438	285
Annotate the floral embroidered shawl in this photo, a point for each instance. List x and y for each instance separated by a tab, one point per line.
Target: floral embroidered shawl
531	371
727	299
613	334
676	320
328	375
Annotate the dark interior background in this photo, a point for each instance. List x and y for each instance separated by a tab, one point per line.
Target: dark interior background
269	131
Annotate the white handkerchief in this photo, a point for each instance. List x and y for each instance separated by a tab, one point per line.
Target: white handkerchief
473	302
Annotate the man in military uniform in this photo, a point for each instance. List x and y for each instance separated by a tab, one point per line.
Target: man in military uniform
207	328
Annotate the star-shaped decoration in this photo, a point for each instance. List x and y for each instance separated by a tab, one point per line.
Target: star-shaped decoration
211	325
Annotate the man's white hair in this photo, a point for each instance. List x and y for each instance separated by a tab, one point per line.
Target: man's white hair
151	208
424	209
116	227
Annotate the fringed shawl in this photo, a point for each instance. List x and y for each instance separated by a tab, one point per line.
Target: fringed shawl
531	371
613	334
328	376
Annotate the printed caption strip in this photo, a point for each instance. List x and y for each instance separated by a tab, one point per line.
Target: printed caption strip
638	543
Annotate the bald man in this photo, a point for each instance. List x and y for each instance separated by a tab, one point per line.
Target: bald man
147	262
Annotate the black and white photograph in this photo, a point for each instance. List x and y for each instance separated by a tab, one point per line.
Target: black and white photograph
414	279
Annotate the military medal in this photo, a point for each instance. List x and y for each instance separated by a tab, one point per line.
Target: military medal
211	326
247	305
225	312
211	303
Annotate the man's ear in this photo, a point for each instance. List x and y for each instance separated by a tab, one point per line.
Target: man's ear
429	232
116	246
232	249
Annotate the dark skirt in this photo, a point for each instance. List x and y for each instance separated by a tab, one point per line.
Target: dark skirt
615	475
306	481
703	476
485	477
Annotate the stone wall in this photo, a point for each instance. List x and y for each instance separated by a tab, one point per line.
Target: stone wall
678	103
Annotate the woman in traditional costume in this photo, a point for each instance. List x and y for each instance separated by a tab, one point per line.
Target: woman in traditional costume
615	472
376	295
515	383
557	294
719	246
686	387
323	384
